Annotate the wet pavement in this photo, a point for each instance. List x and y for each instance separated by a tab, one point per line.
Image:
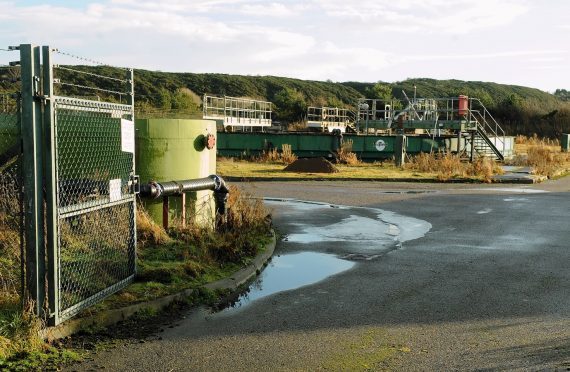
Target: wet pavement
516	174
288	272
444	277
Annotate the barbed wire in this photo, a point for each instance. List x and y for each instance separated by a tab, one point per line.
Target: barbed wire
91	88
88	60
89	73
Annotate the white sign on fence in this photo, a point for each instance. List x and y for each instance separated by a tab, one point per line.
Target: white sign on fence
115	190
127	136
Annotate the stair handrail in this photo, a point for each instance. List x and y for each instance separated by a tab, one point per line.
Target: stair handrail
485	135
498	131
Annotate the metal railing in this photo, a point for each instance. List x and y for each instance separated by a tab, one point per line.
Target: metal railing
238	112
489	126
328	118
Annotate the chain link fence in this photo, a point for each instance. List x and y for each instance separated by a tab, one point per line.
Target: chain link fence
94	202
11	183
93	169
78	172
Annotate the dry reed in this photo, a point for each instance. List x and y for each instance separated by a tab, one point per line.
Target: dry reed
345	154
542	154
446	165
286	156
148	231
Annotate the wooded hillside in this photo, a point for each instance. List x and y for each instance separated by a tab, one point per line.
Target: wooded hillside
520	110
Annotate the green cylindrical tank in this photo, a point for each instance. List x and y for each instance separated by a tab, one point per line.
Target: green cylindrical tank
174	149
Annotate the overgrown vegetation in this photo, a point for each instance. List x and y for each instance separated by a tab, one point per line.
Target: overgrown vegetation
345	154
542	154
189	256
168	262
519	110
447	166
285	156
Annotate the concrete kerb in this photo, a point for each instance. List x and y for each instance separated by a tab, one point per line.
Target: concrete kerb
515	180
114	316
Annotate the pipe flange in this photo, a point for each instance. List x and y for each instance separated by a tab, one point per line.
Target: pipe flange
210	141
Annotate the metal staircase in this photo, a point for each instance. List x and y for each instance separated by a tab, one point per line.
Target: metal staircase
489	138
350	126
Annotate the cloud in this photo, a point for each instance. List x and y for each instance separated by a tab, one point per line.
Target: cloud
453	16
341	40
490	55
267	10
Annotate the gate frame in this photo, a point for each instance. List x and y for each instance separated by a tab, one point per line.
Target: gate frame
32	155
40	150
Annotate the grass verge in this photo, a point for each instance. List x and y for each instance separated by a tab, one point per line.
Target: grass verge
423	167
168	262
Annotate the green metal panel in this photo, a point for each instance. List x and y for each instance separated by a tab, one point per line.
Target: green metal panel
173	149
302	144
565	142
314	145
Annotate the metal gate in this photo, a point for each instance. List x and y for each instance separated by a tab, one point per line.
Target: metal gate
91	237
78	154
95	203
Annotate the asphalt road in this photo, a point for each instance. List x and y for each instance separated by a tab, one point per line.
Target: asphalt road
444	277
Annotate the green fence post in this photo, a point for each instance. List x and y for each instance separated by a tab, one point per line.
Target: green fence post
133	226
32	169
51	189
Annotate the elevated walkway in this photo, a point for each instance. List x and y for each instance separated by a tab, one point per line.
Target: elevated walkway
237	112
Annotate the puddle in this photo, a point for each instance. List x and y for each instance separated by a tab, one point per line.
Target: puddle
385	230
369	229
356	229
291	271
409	192
485	211
365	234
512	190
515	199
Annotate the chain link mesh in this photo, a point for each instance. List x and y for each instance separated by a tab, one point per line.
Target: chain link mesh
95	203
11	206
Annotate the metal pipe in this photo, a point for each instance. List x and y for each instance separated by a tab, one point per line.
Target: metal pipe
155	190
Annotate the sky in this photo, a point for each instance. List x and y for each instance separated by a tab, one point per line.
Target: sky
518	42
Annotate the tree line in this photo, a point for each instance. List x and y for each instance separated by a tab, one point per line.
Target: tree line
520	110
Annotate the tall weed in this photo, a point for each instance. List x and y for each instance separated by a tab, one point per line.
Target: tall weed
345	154
285	156
446	165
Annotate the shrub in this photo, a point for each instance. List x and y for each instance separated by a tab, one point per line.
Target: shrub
447	165
286	156
345	154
